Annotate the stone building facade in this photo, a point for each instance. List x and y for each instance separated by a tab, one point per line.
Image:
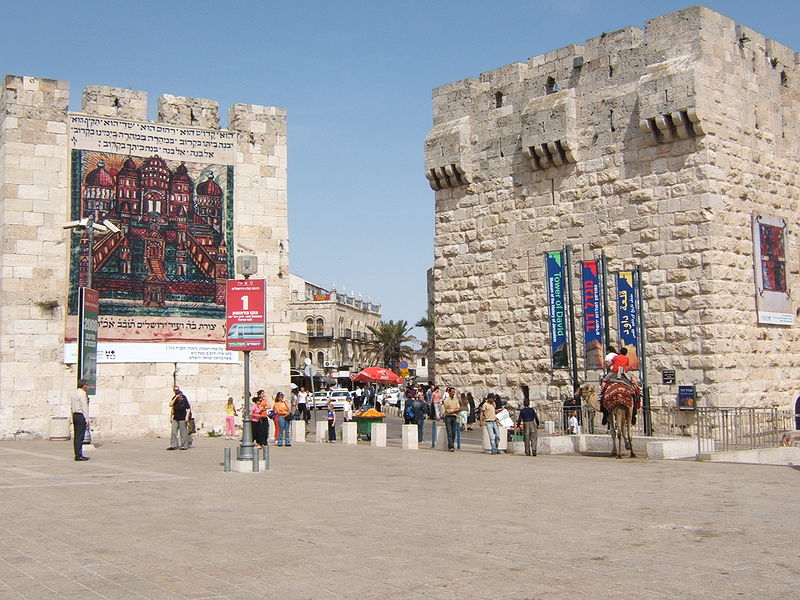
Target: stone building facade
331	328
660	146
171	257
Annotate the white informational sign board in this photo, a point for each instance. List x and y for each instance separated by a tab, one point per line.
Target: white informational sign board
122	352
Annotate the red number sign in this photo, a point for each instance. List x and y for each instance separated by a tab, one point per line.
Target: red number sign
246	314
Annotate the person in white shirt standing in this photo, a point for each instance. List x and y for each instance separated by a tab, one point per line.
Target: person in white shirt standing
79	405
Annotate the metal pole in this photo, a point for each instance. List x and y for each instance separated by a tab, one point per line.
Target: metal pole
648	425
227	460
246	447
90	270
571	315
604	287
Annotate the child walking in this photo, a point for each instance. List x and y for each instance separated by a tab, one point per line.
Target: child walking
230	425
331	417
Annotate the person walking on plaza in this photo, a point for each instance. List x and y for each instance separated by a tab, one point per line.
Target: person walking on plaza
230	423
179	412
528	421
452	406
436	403
488	419
331	418
471	414
79	405
283	415
464	412
420	409
302	405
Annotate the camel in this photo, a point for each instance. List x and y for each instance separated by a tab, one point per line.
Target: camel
618	399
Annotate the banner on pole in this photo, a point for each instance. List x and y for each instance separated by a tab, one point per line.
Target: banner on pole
558	317
627	316
88	312
591	303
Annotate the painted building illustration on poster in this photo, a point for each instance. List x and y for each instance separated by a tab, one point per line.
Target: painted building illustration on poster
162	277
773	300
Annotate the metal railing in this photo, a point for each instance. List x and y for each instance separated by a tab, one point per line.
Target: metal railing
740	428
666	421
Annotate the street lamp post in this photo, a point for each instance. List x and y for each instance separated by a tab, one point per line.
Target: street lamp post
247	265
89	225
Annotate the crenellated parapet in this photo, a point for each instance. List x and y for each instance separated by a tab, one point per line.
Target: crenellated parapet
448	155
548	130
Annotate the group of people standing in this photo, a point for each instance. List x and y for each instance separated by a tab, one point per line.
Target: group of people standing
279	411
460	412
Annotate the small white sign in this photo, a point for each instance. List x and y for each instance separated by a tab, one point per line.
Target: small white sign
120	352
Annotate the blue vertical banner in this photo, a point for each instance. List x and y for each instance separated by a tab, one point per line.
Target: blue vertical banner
628	316
591	303
558	315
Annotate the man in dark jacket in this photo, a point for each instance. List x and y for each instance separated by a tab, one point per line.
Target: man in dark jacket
528	420
420	409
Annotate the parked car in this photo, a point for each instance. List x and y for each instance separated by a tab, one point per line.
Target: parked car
338	398
390	396
320	399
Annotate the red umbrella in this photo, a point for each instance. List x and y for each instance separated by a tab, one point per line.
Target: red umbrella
377	375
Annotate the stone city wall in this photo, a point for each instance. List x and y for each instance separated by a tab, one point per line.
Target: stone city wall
35	176
656	146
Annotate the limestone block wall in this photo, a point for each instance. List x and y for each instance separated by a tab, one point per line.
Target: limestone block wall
655	146
132	398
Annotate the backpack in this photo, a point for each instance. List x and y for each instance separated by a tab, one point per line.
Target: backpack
408	411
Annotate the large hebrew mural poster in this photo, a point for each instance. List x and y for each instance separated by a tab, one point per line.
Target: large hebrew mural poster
773	299
162	276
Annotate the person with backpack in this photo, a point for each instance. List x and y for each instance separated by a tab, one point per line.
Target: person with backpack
420	410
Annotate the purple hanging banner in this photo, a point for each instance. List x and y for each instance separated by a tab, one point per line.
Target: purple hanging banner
627	315
591	302
558	314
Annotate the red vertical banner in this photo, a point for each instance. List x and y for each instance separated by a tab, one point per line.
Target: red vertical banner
246	314
591	302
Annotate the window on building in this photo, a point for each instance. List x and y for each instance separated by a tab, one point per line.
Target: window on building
310	327
320	327
423	361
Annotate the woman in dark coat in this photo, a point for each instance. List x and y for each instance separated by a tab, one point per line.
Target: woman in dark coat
471	414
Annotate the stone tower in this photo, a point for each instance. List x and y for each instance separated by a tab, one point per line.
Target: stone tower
151	202
663	147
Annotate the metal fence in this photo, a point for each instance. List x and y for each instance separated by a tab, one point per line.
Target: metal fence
740	428
666	421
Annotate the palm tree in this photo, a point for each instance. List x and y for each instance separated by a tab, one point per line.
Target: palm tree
428	322
389	343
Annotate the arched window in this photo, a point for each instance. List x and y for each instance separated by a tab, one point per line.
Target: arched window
320	327
498	99
320	359
310	327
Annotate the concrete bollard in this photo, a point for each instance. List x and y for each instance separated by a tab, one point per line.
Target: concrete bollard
265	456
350	433
227	460
502	445
410	437
441	437
549	427
378	435
255	460
298	431
322	431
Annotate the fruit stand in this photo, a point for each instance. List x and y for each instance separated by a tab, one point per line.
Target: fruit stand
365	419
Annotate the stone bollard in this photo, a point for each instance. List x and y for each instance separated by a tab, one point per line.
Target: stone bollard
298	431
441	437
410	433
549	427
350	433
378	435
322	431
502	445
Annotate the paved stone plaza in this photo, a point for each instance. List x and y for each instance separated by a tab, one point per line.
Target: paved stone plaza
330	521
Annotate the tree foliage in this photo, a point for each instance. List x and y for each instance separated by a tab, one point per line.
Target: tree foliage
389	344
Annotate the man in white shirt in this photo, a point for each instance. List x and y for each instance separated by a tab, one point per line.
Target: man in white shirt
79	406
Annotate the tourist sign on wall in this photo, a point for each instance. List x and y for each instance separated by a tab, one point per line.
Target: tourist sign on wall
246	314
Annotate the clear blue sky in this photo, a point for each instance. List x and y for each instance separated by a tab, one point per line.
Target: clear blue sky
356	79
